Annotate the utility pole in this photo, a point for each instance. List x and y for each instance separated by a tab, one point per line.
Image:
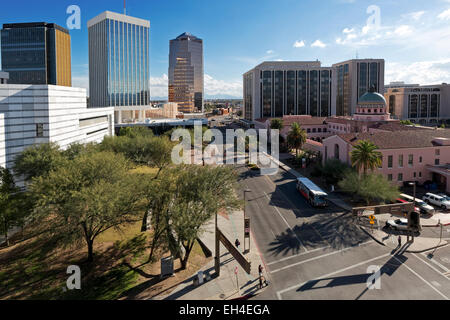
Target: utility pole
245	218
217	257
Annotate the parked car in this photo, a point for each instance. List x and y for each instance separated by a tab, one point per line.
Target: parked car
398	224
422	205
436	200
405	201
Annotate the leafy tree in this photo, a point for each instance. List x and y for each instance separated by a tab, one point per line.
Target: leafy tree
365	157
38	160
183	199
296	137
334	171
373	187
9	203
87	196
133	132
276	124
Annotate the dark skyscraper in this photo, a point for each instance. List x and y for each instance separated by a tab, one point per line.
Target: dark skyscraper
186	72
36	53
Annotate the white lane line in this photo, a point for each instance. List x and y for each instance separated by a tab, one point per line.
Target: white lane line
438	264
432	267
298	255
418	276
279	293
276	208
315	258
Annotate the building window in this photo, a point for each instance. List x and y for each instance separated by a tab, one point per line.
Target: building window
436	162
410	160
39	130
400	161
390	161
314	130
308	130
319	130
336	151
390	177
400	177
420	159
420	174
437	152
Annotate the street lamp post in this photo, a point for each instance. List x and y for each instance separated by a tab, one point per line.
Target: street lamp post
414	205
245	216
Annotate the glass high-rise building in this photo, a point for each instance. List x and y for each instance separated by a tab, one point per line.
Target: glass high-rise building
118	60
279	88
186	73
36	53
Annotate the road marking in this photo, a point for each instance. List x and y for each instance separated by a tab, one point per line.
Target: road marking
420	277
314	258
279	293
276	208
436	263
297	255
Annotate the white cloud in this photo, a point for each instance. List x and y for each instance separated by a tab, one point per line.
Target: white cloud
319	44
81	82
445	15
422	72
403	30
299	44
159	86
347	30
413	15
270	51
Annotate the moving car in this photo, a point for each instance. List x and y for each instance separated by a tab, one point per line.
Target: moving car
398	224
422	205
436	200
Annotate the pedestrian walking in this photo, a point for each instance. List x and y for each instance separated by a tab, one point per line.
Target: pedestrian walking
237	243
399	241
260	282
260	270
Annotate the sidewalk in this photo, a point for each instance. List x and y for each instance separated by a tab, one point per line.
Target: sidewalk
225	287
420	244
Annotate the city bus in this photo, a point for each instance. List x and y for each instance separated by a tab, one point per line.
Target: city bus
315	196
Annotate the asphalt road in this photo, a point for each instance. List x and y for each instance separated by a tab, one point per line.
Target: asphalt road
314	253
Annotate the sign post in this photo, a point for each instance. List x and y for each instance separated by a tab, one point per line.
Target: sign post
247	233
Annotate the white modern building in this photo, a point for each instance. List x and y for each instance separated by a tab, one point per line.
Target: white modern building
119	62
427	105
4	77
33	114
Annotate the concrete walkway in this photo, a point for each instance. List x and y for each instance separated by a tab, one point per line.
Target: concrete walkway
228	285
420	244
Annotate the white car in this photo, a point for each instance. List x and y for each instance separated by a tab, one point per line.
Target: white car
424	207
436	200
398	224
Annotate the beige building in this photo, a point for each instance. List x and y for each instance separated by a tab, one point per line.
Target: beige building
420	104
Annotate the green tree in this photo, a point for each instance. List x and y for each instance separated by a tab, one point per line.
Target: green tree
133	132
365	157
296	137
86	197
334	171
371	188
38	160
406	122
9	203
276	124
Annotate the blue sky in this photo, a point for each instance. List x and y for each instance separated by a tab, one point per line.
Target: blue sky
412	36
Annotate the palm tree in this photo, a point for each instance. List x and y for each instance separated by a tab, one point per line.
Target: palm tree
296	137
364	156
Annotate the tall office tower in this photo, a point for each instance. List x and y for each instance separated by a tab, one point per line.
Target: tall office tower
36	53
352	79
274	89
118	61
186	73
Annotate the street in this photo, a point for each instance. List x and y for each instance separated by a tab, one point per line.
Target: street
314	253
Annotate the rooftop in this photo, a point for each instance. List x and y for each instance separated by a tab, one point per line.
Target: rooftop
421	138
